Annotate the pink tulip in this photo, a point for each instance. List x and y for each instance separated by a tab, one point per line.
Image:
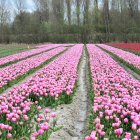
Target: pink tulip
118	131
128	135
135	137
47	110
39	108
53	115
25	54
126	120
47	119
134	126
9	135
40	131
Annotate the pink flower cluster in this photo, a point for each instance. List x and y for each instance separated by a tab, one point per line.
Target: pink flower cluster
55	45
117	99
129	46
127	56
43	123
22	55
57	77
12	72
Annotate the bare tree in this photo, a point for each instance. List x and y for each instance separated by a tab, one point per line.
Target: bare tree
85	20
58	11
133	8
4	12
106	16
86	11
68	4
20	6
4	18
78	5
96	13
42	7
113	5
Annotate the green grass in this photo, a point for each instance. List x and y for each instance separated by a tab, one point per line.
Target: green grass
91	115
9	49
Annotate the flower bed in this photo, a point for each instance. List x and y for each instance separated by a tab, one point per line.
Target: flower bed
45	88
129	46
23	55
116	108
130	58
12	72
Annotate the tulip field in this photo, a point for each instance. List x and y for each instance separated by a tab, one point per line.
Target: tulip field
34	83
12	72
128	46
20	56
116	99
9	49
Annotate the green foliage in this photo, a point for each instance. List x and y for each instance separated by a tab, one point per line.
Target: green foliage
79	21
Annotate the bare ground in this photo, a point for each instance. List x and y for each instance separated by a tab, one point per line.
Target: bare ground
73	117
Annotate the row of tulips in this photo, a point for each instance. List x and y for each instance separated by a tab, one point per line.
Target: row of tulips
21	103
129	57
116	107
135	47
12	72
25	54
62	45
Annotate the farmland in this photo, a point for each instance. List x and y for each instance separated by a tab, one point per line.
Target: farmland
6	50
130	47
70	91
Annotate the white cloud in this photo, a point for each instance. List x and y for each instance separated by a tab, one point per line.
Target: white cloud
30	5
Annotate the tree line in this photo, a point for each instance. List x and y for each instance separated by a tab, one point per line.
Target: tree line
70	21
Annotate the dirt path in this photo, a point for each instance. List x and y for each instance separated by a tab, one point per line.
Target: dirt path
73	117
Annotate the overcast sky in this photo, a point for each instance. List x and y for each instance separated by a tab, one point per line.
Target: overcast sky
29	5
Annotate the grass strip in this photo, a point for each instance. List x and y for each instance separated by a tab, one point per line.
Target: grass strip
6	52
91	115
